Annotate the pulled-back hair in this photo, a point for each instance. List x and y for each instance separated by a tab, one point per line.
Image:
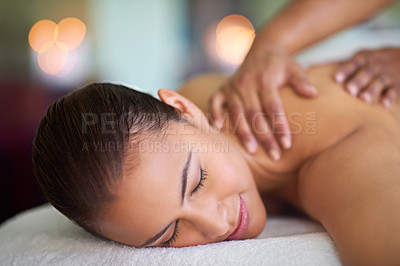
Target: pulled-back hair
80	146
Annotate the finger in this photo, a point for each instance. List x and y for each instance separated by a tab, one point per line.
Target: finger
273	106
266	137
374	90
301	83
345	71
217	103
255	117
240	124
361	79
389	97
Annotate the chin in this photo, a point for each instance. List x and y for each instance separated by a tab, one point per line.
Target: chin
257	225
257	217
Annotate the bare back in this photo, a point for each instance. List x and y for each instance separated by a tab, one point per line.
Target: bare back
316	124
343	168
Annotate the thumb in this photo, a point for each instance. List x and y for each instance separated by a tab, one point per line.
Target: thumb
302	85
217	103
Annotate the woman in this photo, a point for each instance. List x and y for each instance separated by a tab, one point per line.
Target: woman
144	173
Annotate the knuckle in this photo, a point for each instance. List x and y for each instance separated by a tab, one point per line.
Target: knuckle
241	81
350	67
375	87
266	137
272	107
369	70
263	78
385	79
245	134
252	113
236	110
267	140
373	90
355	82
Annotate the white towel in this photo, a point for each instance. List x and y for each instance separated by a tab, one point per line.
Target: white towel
43	236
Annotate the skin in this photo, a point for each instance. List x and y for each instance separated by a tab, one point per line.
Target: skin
336	175
372	75
153	193
269	66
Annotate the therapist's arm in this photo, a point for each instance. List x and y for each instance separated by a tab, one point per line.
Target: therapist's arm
304	22
253	89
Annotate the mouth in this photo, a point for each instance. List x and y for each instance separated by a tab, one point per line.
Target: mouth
243	222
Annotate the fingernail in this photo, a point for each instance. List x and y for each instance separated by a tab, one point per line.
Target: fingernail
275	155
312	89
251	146
386	103
340	77
352	89
366	97
286	143
219	124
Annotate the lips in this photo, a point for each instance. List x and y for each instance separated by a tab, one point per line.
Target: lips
243	222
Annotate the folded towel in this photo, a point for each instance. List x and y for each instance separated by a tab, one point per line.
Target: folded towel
43	236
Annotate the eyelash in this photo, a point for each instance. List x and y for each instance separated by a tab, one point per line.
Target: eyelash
203	175
173	237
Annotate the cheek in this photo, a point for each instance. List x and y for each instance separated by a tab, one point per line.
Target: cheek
232	177
227	175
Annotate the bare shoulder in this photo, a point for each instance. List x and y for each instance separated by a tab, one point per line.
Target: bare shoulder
200	88
353	189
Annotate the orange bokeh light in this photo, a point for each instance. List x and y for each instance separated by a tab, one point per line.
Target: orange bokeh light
234	37
53	59
54	42
71	32
41	33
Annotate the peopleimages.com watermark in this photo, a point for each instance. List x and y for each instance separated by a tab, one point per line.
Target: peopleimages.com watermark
110	123
157	146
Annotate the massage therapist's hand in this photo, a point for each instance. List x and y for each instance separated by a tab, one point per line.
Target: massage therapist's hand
372	75
252	92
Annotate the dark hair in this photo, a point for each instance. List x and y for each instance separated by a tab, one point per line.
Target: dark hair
76	176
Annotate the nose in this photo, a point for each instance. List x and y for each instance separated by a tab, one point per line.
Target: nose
210	218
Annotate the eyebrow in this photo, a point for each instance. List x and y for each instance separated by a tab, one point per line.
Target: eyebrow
184	175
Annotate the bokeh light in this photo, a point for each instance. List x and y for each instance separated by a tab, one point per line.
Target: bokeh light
71	32
53	58
56	44
41	33
234	37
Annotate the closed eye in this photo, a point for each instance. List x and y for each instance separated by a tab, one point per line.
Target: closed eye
173	237
203	175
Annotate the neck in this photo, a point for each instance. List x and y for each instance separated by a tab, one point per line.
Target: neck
276	181
268	175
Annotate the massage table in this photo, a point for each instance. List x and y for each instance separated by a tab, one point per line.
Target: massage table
43	236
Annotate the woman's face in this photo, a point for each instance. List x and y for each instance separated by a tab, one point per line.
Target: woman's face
190	187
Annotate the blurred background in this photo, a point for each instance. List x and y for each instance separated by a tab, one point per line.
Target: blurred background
48	48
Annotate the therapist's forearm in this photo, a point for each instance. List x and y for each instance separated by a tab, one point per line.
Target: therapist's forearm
304	22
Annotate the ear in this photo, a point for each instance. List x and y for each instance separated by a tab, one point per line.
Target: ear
191	112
